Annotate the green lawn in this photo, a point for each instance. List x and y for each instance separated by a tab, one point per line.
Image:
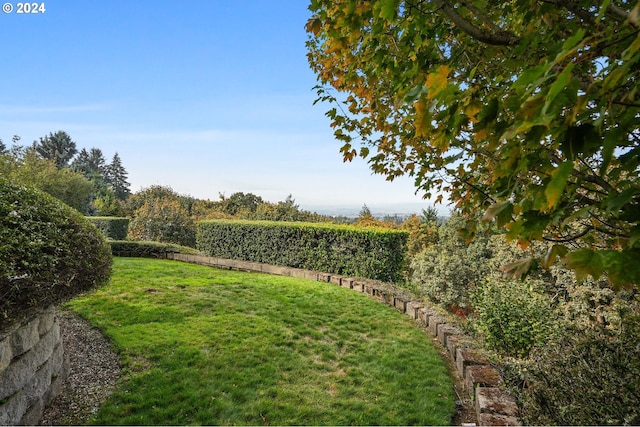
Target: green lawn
208	346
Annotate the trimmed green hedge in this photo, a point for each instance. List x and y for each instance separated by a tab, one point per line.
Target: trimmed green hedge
49	252
375	253
130	248
112	227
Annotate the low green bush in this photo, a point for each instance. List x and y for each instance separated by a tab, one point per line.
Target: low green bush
375	253
111	226
585	378
512	316
448	271
49	252
129	248
163	221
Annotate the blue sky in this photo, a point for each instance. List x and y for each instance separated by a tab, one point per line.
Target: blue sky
206	96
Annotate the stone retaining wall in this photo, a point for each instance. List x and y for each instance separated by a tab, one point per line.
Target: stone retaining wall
32	368
492	404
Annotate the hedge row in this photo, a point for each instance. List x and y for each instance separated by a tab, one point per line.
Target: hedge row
49	252
129	248
112	227
375	253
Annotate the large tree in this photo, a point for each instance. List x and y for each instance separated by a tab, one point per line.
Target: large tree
91	163
58	147
116	176
527	111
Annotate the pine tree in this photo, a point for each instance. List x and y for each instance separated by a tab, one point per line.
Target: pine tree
97	162
58	147
81	163
116	176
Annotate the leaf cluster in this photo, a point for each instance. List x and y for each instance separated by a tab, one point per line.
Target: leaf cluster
528	111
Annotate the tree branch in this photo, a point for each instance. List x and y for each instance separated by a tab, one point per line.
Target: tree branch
612	11
497	38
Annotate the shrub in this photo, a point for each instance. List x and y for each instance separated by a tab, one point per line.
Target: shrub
154	193
29	169
128	248
448	271
112	227
422	234
585	377
107	204
163	220
375	253
512	317
49	252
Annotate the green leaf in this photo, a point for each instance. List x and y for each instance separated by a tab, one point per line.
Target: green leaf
530	76
582	139
635	236
556	186
622	267
501	211
572	41
585	262
489	112
554	252
414	93
557	86
519	268
616	202
387	9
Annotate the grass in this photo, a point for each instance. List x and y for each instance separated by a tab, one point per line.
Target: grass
208	346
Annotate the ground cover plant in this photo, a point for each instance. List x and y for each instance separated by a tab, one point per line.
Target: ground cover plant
207	346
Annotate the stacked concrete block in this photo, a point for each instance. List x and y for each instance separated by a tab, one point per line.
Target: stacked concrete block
32	368
434	321
358	285
412	309
400	303
346	282
445	332
495	407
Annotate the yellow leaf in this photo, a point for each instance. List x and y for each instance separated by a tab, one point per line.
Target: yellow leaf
437	81
472	109
423	118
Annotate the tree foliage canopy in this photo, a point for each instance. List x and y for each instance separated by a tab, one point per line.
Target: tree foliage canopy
58	147
528	111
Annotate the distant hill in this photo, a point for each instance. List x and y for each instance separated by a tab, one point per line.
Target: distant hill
377	210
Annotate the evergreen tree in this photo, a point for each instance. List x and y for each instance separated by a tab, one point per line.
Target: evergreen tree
3	147
81	163
58	147
116	176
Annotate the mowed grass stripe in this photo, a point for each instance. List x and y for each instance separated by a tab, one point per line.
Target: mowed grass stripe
208	346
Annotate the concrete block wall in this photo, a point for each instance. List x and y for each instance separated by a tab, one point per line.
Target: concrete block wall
493	405
32	368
